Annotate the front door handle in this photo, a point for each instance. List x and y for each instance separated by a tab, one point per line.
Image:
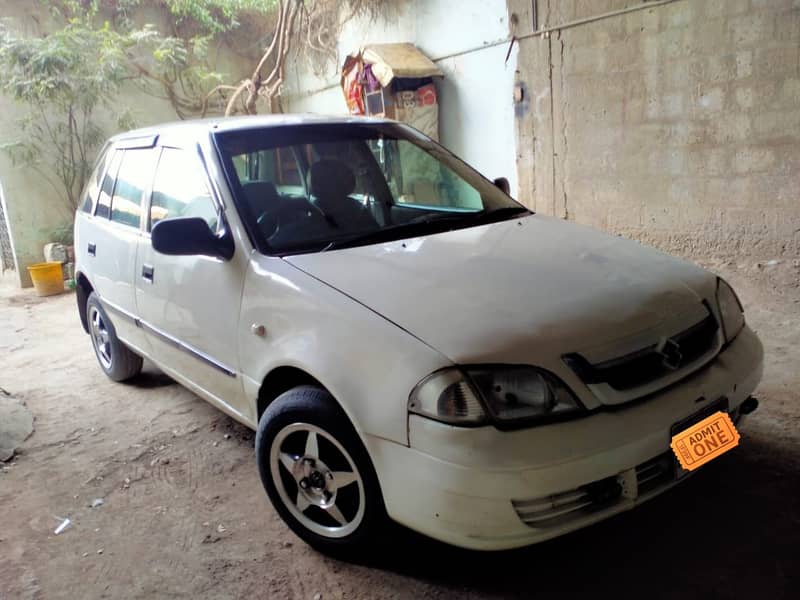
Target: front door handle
147	273
92	249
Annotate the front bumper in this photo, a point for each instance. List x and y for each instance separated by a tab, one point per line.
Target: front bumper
482	488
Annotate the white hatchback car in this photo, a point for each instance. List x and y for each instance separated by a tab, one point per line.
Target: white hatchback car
408	341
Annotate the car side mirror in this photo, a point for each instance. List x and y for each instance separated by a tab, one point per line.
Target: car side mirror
502	183
190	236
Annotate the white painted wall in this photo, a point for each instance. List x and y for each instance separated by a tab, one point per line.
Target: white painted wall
476	117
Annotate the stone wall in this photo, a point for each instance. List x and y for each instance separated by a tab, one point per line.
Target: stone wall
678	124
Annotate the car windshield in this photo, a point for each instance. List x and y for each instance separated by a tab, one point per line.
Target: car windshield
313	188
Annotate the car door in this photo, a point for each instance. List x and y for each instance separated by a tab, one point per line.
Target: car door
189	305
111	240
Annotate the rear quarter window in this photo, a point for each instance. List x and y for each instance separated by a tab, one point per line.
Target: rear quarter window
107	187
95	180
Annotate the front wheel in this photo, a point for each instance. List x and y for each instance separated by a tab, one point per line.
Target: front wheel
317	472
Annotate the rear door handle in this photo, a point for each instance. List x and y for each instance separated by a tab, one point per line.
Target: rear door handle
92	249
147	273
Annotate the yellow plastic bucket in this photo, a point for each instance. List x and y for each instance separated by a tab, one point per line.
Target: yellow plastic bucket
47	277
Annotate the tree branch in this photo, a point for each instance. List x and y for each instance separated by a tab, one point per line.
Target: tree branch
239	90
219	89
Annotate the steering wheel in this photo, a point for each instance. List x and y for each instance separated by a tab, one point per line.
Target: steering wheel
271	222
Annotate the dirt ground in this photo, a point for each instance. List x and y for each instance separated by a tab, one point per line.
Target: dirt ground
184	513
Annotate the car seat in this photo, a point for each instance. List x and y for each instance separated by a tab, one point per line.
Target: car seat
331	182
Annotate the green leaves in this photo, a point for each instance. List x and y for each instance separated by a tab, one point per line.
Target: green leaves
170	51
76	63
71	80
62	79
217	16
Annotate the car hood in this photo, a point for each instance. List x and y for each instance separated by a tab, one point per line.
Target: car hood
521	291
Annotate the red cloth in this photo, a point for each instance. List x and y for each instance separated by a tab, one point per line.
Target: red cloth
354	89
426	95
355	98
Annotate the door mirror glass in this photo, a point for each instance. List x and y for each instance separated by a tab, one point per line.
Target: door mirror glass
190	236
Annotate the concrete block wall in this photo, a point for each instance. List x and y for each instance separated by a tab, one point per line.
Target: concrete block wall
678	124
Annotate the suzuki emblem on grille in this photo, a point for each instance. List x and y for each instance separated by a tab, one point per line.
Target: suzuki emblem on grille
671	355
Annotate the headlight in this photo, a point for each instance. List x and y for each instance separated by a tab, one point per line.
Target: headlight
447	396
513	393
730	310
504	394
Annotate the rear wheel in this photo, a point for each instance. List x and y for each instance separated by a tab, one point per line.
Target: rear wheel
117	360
317	472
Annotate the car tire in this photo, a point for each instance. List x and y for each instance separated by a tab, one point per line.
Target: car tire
318	474
118	361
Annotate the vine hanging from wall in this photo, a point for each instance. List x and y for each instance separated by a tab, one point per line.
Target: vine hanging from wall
305	29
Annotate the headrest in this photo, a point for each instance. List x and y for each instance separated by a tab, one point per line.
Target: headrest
260	196
331	179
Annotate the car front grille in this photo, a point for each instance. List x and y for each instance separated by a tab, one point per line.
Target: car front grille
561	509
652	362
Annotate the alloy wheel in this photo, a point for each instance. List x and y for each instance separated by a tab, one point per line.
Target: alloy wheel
317	480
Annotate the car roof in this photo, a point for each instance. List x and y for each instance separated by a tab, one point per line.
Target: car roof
197	128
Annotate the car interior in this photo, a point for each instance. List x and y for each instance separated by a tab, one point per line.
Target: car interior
326	190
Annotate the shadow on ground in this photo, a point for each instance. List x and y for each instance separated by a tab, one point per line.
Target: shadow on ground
151	377
731	531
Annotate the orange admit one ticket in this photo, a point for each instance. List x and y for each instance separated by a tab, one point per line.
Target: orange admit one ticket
705	441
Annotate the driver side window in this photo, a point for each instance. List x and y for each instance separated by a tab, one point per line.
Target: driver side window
180	189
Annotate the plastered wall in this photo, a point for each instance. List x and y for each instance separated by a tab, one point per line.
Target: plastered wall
34	209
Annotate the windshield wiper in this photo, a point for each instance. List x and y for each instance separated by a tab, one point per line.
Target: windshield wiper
385	234
499	214
473	217
424	226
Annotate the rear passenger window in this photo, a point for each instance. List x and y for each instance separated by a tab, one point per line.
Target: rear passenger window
180	189
107	187
133	181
